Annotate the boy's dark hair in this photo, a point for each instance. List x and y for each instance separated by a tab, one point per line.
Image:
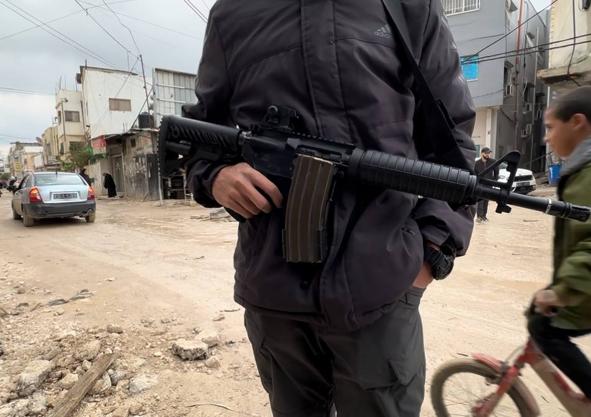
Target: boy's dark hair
576	101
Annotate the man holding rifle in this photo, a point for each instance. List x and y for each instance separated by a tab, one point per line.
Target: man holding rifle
345	333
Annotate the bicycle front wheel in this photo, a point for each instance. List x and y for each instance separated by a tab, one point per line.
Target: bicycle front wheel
459	387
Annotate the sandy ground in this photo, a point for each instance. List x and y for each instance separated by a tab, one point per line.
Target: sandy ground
163	273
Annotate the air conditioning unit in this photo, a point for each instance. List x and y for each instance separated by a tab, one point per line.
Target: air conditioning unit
509	90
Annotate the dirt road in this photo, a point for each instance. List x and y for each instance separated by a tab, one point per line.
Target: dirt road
158	274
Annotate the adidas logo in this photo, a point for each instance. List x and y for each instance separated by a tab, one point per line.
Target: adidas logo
384	32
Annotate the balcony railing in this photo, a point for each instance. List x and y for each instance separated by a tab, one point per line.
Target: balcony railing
452	7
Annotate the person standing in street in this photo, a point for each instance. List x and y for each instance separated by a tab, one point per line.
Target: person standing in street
486	160
345	333
109	184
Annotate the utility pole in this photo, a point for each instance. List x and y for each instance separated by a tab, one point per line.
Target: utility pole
517	81
534	110
144	75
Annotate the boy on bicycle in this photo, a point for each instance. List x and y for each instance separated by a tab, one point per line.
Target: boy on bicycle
563	310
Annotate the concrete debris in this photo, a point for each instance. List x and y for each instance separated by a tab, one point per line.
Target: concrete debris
102	385
112	328
18	408
142	383
211	339
89	351
38	404
213	363
86	365
136	409
190	350
68	381
33	376
117	376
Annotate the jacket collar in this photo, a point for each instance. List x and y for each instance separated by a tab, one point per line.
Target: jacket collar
580	157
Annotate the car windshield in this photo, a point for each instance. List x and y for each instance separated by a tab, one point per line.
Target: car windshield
503	165
58	179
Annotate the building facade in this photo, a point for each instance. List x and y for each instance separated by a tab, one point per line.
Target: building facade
24	158
570	37
508	98
70	122
172	89
113	102
51	146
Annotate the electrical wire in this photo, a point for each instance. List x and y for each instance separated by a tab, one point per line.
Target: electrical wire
53	32
126	27
540	47
518	53
146	22
10	90
11	35
159	26
196	10
104	29
505	36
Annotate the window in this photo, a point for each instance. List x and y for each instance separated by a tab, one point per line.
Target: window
72	116
119	104
470	67
59	117
58	179
460	6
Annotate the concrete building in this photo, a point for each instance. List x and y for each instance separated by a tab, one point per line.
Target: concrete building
113	102
570	36
51	147
508	98
172	89
70	122
24	158
3	165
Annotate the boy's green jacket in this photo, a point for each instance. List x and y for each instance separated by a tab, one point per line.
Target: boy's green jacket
572	244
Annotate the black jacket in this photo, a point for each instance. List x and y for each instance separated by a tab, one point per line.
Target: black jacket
337	63
481	165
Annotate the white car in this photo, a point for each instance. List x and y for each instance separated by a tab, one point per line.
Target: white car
44	195
524	182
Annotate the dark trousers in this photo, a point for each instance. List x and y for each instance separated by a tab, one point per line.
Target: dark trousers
557	346
482	209
378	371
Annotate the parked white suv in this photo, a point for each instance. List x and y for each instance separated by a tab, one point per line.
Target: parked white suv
524	182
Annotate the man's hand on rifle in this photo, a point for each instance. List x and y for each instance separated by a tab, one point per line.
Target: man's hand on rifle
242	189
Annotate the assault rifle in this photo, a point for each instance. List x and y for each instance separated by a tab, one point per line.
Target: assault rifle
313	165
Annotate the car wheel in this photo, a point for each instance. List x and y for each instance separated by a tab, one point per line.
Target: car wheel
91	217
15	215
28	221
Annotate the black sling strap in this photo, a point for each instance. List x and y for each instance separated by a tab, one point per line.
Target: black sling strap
434	141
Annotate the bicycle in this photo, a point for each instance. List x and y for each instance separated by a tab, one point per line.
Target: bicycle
505	377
